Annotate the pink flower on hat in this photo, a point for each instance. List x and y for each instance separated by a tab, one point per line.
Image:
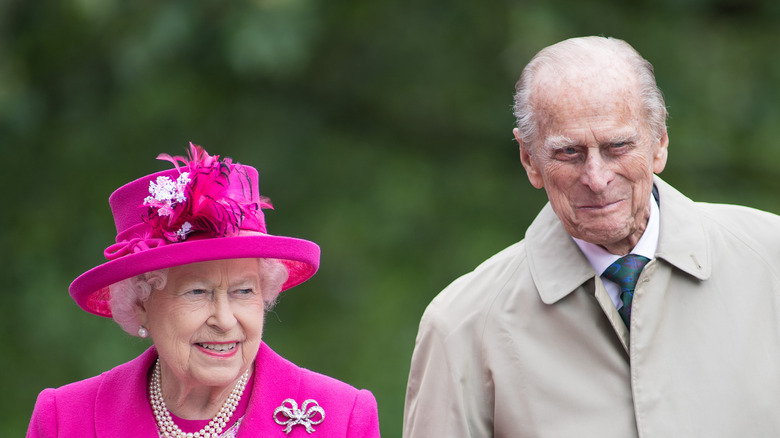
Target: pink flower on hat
166	193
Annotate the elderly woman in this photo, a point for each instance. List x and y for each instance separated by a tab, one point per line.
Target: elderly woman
194	270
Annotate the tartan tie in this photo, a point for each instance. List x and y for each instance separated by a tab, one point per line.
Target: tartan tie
625	272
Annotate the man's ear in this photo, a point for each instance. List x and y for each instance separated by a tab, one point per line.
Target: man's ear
534	175
661	153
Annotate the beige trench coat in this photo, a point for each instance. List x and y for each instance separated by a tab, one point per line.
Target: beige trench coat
530	345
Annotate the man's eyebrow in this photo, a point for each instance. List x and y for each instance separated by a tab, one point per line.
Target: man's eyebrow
562	141
623	137
558	142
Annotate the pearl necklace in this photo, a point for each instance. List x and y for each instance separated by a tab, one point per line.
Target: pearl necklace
169	429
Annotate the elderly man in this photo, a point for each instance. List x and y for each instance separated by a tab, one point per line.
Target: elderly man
554	336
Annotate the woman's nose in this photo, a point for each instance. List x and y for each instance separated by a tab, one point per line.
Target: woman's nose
222	316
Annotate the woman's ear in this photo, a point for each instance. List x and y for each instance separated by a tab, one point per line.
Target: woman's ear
141	315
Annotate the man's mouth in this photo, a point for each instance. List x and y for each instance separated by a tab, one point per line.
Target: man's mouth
599	206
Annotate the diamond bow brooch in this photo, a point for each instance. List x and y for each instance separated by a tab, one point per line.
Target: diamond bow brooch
306	416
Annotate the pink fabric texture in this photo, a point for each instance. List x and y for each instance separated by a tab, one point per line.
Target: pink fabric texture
115	403
222	201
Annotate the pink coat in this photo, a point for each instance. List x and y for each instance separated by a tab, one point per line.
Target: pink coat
115	404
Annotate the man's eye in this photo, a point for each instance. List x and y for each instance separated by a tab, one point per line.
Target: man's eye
566	153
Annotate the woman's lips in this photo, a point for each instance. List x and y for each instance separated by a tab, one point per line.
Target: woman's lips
220	349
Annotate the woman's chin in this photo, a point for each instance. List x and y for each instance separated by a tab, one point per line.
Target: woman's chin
216	376
216	369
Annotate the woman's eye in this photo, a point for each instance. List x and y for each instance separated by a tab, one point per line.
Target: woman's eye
198	292
244	291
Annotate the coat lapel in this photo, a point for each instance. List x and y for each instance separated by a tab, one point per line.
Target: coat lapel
276	379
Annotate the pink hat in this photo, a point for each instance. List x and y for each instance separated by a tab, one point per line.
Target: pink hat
205	209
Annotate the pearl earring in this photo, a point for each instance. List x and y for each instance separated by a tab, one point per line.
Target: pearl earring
142	332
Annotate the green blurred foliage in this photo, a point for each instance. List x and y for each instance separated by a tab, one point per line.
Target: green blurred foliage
382	131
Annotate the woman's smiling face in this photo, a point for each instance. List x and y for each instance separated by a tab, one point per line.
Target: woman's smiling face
207	322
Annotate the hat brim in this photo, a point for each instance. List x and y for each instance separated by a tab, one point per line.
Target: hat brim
300	257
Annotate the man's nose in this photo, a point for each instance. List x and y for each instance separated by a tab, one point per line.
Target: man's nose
597	173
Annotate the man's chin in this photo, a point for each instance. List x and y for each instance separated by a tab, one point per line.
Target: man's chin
605	237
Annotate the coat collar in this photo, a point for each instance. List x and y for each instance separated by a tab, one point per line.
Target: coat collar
683	241
121	403
558	267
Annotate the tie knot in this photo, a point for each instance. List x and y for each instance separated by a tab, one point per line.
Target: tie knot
625	271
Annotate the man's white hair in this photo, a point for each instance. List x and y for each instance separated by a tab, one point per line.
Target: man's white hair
580	54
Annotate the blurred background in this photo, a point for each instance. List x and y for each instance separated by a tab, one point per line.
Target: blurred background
381	130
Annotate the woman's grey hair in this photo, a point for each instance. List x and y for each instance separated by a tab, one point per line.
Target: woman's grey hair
126	294
578	53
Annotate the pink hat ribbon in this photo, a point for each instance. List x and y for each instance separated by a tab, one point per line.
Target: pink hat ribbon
210	198
131	246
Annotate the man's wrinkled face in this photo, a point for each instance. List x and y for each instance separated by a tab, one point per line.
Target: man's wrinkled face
595	158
